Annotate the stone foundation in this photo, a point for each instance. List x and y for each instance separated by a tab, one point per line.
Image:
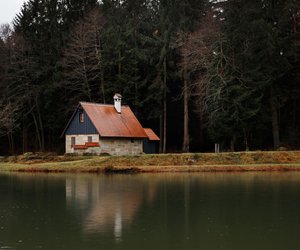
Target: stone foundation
118	146
112	146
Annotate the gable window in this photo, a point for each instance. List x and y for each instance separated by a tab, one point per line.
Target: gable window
90	139
81	117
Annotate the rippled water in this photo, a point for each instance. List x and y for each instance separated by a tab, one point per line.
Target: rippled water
151	211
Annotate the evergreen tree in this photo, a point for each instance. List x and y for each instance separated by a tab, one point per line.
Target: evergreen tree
254	61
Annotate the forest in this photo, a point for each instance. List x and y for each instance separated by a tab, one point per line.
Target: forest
198	72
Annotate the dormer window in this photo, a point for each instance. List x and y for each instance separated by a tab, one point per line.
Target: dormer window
81	117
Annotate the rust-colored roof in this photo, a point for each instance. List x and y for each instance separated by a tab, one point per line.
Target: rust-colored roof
151	135
110	123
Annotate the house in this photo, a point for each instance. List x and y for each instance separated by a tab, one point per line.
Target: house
101	128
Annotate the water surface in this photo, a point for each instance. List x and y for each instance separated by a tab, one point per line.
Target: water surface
150	211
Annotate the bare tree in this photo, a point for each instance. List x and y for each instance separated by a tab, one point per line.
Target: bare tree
5	31
180	43
196	52
83	67
9	115
19	85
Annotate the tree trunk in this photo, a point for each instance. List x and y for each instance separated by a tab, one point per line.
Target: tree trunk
200	137
165	106
102	86
86	83
119	69
100	62
24	137
42	148
37	130
163	116
246	140
275	122
232	144
186	136
161	132
41	126
11	143
135	72
102	78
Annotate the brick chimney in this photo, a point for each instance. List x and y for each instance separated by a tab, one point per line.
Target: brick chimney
117	102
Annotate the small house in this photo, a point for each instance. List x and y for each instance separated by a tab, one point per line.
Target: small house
104	129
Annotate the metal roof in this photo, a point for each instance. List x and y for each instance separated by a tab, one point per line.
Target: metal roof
151	135
110	123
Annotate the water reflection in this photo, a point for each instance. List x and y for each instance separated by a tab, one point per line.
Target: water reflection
107	204
152	211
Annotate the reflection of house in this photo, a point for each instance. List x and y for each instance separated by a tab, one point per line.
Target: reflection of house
100	128
106	204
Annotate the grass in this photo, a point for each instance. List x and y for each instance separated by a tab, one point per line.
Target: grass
191	162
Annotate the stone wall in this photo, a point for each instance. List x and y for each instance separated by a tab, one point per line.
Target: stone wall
119	146
112	146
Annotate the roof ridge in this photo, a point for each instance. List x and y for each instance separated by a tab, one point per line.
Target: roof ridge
100	104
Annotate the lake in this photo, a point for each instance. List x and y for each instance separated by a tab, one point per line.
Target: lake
150	211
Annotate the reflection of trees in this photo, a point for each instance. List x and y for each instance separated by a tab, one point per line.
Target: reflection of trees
107	203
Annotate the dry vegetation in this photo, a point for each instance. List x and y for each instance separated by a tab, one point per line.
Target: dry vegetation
192	162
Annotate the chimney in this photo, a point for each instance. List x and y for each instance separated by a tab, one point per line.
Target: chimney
117	101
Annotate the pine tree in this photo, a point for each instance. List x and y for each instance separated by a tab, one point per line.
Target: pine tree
255	52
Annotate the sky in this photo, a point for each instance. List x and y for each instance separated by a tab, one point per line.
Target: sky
8	10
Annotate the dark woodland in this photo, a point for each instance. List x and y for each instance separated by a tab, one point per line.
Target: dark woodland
197	72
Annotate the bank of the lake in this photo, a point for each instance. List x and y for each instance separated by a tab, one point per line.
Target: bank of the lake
191	162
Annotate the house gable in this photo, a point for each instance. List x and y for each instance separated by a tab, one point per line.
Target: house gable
76	127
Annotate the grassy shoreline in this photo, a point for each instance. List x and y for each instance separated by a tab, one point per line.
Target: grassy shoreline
191	162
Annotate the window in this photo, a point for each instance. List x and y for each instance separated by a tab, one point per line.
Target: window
132	140
81	117
73	141
90	139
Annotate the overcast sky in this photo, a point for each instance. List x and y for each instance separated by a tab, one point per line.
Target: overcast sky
8	10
